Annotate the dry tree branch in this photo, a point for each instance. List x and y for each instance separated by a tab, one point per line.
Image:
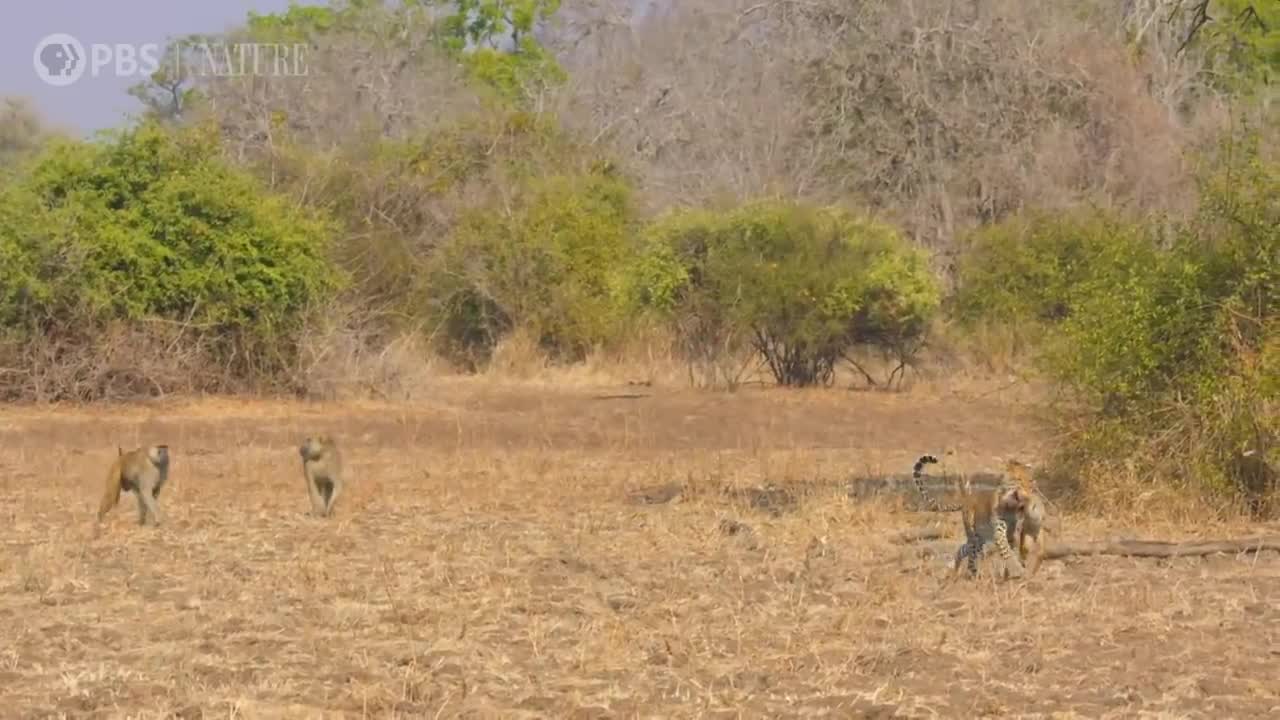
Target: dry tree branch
1121	548
1163	549
1199	18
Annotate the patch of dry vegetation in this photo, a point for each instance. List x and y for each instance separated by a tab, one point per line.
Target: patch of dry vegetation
509	550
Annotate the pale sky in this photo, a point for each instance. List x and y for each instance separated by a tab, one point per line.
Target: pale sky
93	103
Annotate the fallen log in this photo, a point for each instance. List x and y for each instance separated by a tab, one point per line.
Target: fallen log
1161	549
931	545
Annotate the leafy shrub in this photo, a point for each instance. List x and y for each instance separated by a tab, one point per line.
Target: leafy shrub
1174	351
1136	333
487	22
512	75
1158	324
552	263
519	142
401	198
805	283
1244	44
1032	267
477	28
298	23
155	225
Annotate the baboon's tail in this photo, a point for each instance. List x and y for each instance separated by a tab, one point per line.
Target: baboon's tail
111	493
930	500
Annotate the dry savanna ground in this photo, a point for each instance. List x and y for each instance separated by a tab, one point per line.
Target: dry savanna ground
522	551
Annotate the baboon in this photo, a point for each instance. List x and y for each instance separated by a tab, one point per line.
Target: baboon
983	513
322	469
142	472
1030	520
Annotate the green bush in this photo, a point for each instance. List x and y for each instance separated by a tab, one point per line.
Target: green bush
553	262
298	23
520	143
156	225
474	32
1152	324
1174	350
1033	267
400	198
516	75
1243	44
1136	334
805	284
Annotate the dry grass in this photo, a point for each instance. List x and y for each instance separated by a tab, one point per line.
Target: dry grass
493	558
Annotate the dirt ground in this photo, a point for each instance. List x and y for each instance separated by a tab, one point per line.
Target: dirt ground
515	551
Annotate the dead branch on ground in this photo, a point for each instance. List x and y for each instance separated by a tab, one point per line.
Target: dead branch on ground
1124	548
1162	549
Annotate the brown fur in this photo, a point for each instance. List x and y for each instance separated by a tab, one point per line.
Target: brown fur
322	469
1030	521
143	472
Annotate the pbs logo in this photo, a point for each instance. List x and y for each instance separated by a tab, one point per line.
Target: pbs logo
59	59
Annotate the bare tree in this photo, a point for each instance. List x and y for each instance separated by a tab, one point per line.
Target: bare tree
695	95
939	113
22	130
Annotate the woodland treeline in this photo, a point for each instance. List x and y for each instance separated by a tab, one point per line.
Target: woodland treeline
1090	187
